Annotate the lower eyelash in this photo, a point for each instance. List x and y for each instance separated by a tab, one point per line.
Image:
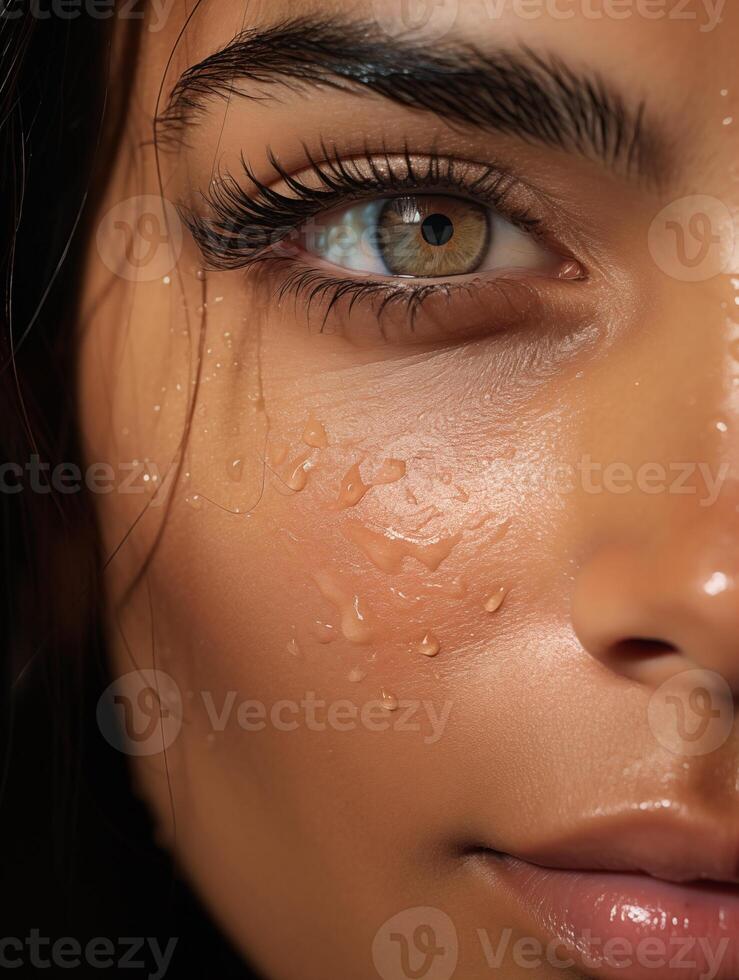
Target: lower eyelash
311	287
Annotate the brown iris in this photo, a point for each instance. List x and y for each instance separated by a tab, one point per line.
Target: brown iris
433	235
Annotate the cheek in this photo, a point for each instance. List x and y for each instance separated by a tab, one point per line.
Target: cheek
338	515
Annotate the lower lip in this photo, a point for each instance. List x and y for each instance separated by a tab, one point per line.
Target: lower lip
617	926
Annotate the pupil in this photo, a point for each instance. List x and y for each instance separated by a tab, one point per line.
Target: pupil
437	229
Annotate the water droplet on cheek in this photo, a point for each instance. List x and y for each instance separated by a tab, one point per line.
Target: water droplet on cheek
354	624
352	488
495	601
387	550
389	701
195	501
391	471
314	434
293	648
298	470
356	675
323	632
236	469
429	645
355	621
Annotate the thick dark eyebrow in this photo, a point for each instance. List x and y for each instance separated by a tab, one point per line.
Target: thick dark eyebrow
533	96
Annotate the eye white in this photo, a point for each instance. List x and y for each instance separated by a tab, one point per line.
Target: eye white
347	238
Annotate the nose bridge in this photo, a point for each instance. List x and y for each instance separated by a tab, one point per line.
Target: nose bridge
656	591
662	422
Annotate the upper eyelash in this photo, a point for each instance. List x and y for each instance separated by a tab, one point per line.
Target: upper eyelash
236	232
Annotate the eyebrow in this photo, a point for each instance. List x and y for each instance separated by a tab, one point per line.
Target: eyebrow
535	97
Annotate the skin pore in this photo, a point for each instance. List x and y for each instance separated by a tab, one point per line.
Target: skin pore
409	512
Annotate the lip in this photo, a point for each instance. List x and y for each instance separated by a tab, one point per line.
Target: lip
652	841
643	896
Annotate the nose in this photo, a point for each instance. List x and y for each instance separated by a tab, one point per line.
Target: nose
649	611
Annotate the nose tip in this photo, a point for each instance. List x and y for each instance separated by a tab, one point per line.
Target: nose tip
651	614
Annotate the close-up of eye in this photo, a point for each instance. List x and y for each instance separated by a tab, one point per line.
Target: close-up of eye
369	503
423	236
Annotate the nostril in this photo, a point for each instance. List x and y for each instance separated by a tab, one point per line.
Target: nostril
641	648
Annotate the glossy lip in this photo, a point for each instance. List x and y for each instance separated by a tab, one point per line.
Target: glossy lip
656	843
637	895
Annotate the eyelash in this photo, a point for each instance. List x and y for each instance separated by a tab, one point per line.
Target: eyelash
241	228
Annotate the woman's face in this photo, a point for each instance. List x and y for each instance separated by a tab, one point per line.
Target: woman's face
422	392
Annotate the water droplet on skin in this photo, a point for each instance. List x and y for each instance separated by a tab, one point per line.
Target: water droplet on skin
166	280
728	121
293	648
352	488
495	601
157	408
429	645
236	469
355	620
323	632
571	270
314	434
388	549
200	274
195	501
721	426
391	471
356	675
389	701
297	479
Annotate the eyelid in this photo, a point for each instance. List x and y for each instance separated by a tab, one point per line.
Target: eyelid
242	224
